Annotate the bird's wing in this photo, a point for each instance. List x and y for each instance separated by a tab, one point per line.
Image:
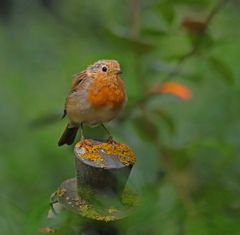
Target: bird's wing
77	80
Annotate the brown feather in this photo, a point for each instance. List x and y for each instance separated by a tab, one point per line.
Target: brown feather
78	79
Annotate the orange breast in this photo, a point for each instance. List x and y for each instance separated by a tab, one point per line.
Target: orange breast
106	92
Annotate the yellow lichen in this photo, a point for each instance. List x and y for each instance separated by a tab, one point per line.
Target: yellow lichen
88	211
84	143
84	208
94	152
60	192
98	216
129	198
112	210
92	156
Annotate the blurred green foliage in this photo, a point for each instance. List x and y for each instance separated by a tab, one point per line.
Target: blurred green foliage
188	170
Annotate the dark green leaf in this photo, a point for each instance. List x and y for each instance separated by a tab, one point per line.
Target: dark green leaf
204	41
124	38
167	119
222	69
146	128
153	32
180	157
167	11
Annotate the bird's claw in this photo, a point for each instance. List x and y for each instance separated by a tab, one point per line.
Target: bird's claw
110	140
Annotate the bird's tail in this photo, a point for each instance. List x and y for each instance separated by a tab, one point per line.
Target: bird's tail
68	135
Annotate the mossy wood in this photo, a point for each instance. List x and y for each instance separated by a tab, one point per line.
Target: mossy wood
98	192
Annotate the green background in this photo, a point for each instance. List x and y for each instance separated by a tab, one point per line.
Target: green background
187	173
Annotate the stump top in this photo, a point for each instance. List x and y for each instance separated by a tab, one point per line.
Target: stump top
104	155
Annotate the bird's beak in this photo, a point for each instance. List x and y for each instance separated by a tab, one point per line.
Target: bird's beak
119	72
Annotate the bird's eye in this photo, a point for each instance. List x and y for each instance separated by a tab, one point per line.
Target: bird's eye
104	69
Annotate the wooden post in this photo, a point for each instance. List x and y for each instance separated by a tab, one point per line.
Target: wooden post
102	168
98	190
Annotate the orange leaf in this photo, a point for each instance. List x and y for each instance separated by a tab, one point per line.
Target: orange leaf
174	88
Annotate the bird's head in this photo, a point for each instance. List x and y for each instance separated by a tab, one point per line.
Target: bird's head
104	68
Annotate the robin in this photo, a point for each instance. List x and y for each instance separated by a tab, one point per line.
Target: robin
97	96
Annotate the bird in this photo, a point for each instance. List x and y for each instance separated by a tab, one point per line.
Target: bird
97	96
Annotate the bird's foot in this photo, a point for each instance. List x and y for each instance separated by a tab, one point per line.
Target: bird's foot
83	142
110	140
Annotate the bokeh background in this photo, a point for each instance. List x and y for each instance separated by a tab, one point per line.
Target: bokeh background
181	69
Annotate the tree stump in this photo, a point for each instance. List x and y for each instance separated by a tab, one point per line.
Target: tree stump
98	191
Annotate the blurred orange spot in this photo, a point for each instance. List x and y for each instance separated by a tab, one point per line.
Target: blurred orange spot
174	88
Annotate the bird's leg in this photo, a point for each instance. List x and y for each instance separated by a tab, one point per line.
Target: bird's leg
83	142
81	132
110	138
